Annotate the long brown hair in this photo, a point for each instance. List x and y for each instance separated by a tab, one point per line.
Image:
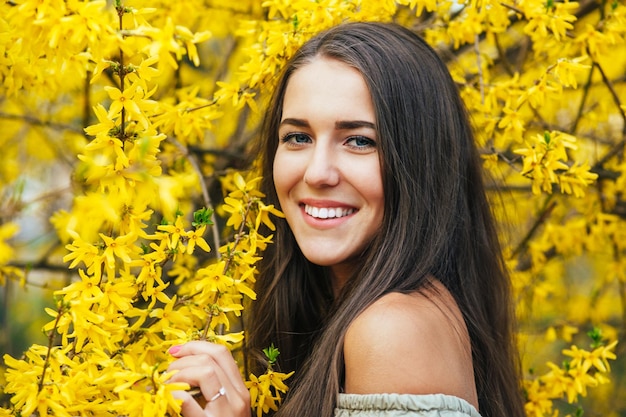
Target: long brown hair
437	223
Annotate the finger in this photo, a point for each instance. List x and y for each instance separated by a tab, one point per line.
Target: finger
238	400
191	361
218	393
209	390
189	407
218	353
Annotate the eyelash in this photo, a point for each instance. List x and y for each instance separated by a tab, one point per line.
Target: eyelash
287	138
370	142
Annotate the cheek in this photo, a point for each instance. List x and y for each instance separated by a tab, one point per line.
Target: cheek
372	190
285	175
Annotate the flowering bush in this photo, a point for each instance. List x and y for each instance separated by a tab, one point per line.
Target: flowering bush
138	115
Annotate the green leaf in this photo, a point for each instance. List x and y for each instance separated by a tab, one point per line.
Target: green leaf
271	353
596	337
202	217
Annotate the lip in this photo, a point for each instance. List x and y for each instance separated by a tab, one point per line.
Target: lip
325	203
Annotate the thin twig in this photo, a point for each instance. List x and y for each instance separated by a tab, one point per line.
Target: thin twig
515	9
583	100
502	55
616	99
87	103
510	162
38	122
481	79
614	151
543	216
46	363
122	73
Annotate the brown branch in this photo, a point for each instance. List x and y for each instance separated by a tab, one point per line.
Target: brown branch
616	99
87	102
14	205
204	106
481	78
502	55
614	151
515	9
583	100
509	161
46	363
44	123
42	265
548	207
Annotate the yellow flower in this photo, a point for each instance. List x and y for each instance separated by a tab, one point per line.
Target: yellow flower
237	211
567	70
144	72
118	296
211	280
195	238
118	247
190	40
253	387
263	215
512	122
122	100
276	379
168	316
80	251
261	396
106	123
87	289
176	231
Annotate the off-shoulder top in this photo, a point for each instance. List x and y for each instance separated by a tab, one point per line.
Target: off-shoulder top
403	405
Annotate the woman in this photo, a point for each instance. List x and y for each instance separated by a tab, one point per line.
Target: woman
385	289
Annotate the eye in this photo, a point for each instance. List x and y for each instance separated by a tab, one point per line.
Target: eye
295	138
360	142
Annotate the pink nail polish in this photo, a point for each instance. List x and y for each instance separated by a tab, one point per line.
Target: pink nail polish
174	349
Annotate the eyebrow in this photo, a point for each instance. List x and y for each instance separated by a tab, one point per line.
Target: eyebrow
339	125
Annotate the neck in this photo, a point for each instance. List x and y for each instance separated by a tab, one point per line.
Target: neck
339	275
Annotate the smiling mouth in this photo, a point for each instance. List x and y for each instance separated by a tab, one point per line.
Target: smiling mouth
327	212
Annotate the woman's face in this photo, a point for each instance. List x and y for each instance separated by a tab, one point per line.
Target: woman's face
326	169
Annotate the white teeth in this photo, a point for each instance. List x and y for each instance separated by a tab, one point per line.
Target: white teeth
327	213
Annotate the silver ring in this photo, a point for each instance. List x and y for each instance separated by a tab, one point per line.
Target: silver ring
221	392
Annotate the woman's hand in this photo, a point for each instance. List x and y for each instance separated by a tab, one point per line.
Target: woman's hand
212	369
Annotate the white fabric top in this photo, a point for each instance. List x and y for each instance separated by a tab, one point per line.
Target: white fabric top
403	405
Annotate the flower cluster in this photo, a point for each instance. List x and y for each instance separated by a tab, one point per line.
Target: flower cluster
265	390
141	285
584	369
544	161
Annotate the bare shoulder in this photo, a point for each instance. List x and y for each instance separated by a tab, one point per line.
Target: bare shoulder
410	343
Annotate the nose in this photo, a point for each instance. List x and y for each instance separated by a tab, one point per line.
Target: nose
321	169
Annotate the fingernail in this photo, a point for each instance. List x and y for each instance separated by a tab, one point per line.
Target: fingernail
174	349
